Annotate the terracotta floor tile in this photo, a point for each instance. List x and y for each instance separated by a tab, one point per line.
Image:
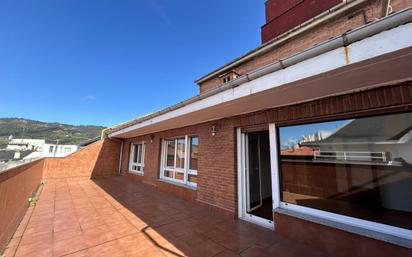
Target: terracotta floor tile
123	229
82	253
37	249
256	252
47	207
42	211
49	215
14	241
64	207
98	235
39	219
119	217
20	230
35	229
228	253
235	244
109	249
68	245
152	252
42	237
90	222
193	238
68	233
207	248
65	225
65	214
170	250
135	243
10	251
86	211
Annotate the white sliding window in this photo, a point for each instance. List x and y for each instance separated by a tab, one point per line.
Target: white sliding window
136	163
357	171
179	160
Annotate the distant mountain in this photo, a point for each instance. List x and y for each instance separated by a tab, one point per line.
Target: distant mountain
25	128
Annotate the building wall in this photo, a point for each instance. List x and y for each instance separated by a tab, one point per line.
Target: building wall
58	150
98	159
22	144
216	186
16	186
217	176
282	15
320	33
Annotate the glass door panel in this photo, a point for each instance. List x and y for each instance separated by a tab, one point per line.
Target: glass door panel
253	172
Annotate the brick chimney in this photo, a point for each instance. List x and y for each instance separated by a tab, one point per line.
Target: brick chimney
283	15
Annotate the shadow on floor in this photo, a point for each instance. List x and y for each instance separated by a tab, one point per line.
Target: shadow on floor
181	228
118	217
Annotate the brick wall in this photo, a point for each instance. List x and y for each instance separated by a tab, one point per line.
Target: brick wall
16	186
303	41
217	175
98	159
282	15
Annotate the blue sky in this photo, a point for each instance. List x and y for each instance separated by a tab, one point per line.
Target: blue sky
105	61
291	135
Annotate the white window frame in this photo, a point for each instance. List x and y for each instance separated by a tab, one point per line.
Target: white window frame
185	170
139	165
330	216
242	181
190	171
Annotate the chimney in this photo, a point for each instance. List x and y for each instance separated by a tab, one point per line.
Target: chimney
283	15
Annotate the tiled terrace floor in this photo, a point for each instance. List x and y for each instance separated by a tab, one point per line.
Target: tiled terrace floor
118	217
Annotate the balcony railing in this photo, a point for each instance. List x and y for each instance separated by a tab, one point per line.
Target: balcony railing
351	156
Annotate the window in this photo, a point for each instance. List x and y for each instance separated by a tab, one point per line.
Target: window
180	160
226	79
229	76
193	160
51	149
136	163
360	168
67	149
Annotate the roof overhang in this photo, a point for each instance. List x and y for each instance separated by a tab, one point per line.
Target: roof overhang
384	58
333	13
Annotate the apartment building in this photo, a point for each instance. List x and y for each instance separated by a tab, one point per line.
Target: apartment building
245	147
300	147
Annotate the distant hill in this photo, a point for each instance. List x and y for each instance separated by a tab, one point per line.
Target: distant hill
25	128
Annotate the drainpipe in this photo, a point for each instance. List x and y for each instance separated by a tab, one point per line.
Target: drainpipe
121	157
386	8
121	153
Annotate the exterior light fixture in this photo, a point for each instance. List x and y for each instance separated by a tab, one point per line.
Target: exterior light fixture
214	130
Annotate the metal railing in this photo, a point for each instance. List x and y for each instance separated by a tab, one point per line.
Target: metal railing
351	155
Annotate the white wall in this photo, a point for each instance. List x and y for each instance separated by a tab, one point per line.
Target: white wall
58	150
22	144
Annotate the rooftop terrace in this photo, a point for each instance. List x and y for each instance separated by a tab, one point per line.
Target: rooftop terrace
117	217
